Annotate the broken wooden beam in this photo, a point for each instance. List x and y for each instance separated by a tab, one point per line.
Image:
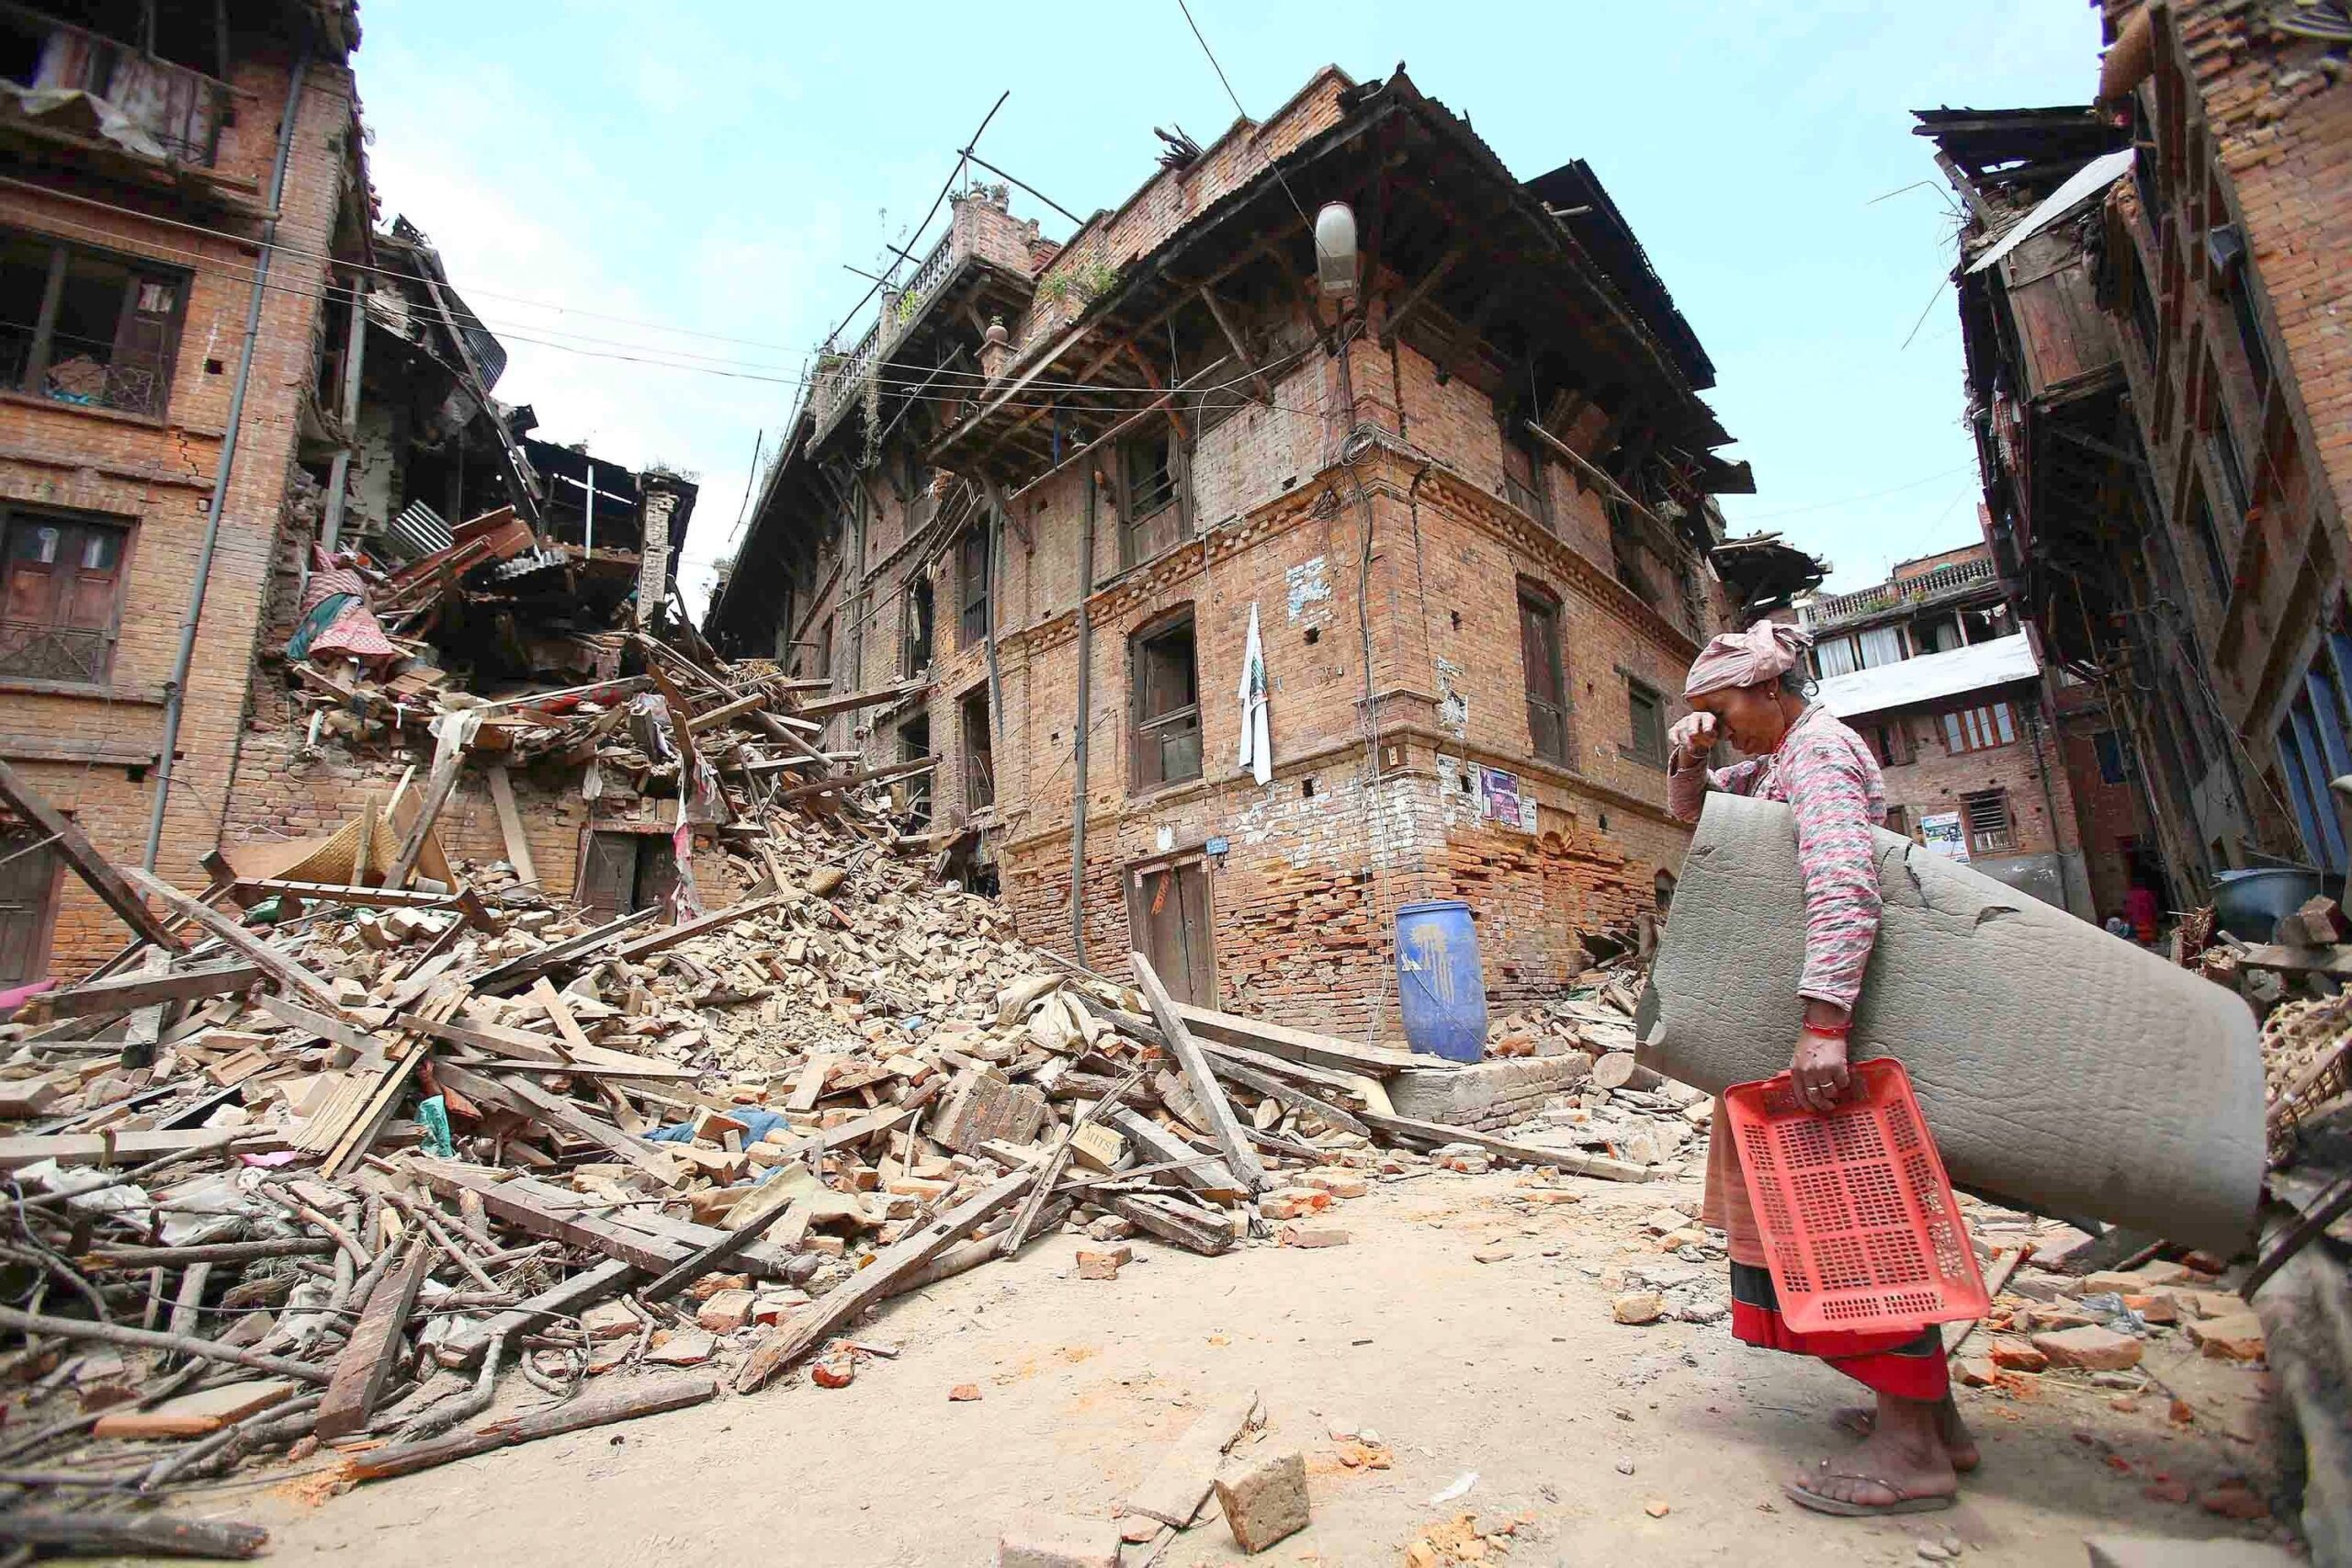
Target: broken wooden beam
510	826
92	867
367	1361
850	702
1573	1161
1301	1044
147	1339
862	776
127	992
1239	1154
597	1407
810	1328
272	962
91	1533
645	946
128	1148
1181	1482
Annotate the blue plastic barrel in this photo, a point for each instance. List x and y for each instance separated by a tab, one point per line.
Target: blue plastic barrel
1440	987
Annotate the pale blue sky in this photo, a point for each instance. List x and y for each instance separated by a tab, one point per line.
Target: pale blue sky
707	168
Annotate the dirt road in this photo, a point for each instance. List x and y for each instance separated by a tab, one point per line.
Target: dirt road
1511	1369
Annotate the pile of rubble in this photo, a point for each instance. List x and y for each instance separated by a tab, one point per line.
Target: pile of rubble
326	1174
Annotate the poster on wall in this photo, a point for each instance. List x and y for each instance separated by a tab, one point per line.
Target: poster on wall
1498	795
1941	834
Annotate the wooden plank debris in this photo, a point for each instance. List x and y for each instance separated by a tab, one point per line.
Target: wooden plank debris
1238	1155
100	873
1179	1485
367	1361
272	962
785	1345
510	825
598	1407
125	992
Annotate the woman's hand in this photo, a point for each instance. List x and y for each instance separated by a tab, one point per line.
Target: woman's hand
1692	737
1818	1069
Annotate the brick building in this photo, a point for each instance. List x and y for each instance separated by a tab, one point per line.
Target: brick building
150	385
1027	523
2152	292
1989	756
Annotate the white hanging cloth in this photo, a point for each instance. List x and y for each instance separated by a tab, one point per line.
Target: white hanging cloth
1257	740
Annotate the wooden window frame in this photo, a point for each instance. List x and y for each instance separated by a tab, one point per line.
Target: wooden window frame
2002	841
1535	596
1902	750
972	608
126	532
1638	692
1978	726
40	352
980	762
1143	728
1139	514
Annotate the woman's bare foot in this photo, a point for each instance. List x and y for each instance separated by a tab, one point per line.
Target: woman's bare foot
1959	1441
1902	1468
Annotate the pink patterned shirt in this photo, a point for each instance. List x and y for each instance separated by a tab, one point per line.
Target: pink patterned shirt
1831	782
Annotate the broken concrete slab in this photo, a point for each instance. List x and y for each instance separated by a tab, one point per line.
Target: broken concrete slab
1036	1539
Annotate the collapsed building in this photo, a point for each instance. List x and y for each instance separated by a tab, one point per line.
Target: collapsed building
213	363
1212	616
174	192
2147	294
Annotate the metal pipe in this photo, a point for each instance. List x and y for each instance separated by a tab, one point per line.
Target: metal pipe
1085	671
996	676
176	690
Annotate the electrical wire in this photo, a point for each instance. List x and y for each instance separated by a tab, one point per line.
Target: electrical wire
958	386
1272	164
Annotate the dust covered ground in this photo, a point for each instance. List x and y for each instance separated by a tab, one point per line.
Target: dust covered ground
1512	1369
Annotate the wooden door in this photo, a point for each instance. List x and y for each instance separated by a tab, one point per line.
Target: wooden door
608	873
28	888
1170	918
1547	703
656	871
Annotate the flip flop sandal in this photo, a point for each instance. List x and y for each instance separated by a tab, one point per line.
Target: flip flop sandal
1905	1503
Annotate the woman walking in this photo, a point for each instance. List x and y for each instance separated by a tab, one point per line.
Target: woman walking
1751	689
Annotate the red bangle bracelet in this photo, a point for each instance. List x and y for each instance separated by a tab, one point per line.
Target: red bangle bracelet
1833	1031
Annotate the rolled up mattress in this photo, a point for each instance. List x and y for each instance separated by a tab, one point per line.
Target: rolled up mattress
2060	1067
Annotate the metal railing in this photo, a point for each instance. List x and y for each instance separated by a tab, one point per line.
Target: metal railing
1937	583
174	110
83	372
842	381
38	650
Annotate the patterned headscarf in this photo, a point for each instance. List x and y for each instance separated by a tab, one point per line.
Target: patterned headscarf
1763	652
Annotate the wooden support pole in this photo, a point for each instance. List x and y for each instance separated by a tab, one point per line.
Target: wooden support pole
437	787
510	826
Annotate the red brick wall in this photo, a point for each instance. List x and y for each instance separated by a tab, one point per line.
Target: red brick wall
156	476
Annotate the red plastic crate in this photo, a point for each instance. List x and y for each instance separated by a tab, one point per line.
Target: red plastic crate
1859	1225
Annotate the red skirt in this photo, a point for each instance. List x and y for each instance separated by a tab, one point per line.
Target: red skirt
1906	1363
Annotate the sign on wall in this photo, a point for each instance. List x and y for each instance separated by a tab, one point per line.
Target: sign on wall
1943	835
1500	801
